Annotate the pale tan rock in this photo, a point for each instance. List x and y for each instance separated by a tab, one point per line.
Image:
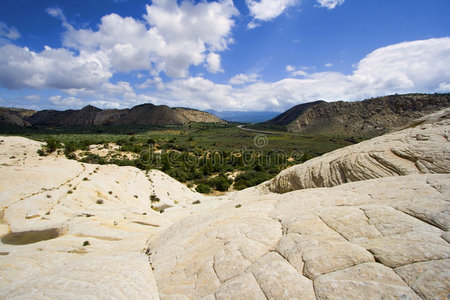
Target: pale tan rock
241	287
364	281
446	236
229	262
269	246
52	207
119	275
220	236
430	280
315	249
351	222
398	250
279	280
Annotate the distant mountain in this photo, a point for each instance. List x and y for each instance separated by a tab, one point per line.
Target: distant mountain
244	116
145	114
366	118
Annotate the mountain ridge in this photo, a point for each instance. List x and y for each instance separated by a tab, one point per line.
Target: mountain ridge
143	114
367	118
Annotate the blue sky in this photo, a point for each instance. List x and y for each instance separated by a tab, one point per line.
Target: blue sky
223	55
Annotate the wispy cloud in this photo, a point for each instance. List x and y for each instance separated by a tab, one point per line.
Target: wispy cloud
330	4
58	13
244	79
9	32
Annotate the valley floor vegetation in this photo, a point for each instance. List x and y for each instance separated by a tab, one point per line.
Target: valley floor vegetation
207	157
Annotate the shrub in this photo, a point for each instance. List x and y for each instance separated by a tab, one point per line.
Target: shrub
52	144
203	188
250	178
220	183
99	201
94	159
86	243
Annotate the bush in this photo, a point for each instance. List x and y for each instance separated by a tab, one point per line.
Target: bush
220	183
52	145
203	188
94	159
250	178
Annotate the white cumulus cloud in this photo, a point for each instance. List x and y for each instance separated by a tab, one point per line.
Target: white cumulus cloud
405	67
51	68
265	10
213	63
170	39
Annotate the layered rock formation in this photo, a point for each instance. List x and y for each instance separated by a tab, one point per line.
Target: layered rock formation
421	148
384	236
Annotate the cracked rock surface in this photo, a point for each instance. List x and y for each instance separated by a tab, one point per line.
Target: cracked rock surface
384	234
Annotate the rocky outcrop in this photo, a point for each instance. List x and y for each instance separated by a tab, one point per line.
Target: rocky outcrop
71	230
368	118
10	117
421	148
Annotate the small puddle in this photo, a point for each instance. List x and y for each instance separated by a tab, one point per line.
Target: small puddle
31	237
